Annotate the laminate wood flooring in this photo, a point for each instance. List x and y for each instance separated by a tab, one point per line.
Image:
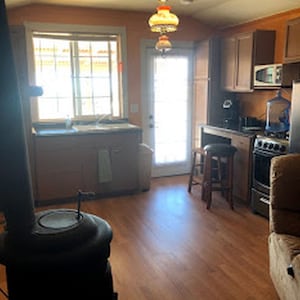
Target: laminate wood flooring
167	246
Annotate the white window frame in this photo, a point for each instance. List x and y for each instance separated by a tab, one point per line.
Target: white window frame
61	28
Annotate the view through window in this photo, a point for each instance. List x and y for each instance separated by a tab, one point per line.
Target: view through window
80	75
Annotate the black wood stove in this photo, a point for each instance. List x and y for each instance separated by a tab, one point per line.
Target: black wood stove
51	254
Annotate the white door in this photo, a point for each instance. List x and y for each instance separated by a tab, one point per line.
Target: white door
167	110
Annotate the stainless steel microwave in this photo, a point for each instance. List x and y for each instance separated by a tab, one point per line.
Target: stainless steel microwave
275	75
268	75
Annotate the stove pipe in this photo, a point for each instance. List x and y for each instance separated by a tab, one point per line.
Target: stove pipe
16	200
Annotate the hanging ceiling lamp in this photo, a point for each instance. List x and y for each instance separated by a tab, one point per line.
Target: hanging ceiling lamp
163	44
163	21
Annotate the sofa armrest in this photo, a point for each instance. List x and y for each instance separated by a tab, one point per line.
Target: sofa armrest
285	194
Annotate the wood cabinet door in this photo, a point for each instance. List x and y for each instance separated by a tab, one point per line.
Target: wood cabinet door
244	48
201	77
58	168
292	41
242	167
208	97
228	69
123	153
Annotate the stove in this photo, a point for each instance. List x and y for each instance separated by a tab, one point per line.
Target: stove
271	146
265	148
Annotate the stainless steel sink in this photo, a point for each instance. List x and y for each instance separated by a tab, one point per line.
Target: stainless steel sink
104	127
55	131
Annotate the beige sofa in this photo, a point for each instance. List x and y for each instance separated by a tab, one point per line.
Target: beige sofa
284	238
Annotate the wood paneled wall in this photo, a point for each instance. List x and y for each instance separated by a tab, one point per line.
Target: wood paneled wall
136	25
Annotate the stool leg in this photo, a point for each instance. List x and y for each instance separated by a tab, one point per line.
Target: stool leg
207	180
230	181
192	172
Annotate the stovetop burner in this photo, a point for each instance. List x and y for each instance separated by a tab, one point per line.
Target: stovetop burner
277	135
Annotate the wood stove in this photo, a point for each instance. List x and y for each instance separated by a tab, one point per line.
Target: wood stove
52	254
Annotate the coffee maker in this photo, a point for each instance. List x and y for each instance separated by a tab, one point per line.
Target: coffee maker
230	112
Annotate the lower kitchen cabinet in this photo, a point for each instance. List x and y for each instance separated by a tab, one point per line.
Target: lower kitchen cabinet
242	166
106	164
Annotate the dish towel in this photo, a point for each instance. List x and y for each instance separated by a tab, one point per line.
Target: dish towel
104	166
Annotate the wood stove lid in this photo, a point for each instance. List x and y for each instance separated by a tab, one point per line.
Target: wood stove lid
62	219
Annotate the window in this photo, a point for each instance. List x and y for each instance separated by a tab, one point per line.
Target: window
81	75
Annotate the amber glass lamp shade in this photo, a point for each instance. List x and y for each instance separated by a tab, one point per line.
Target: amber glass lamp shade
163	21
163	44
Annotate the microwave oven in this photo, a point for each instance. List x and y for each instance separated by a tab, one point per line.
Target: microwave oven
267	76
275	75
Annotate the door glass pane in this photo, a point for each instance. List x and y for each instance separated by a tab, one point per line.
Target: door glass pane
170	109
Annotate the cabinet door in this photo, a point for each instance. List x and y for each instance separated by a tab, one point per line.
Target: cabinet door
242	167
244	48
228	63
58	168
124	158
123	153
292	41
200	108
208	99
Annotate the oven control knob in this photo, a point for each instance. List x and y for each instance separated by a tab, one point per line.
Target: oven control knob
282	148
265	145
270	146
276	147
259	143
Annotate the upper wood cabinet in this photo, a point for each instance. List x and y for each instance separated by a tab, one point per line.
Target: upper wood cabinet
292	41
240	53
207	107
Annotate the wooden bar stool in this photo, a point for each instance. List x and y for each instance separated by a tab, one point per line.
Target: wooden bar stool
197	170
215	172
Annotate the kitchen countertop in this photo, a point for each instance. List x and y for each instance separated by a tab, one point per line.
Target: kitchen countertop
250	132
105	128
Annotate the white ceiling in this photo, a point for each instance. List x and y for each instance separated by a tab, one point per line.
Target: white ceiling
218	13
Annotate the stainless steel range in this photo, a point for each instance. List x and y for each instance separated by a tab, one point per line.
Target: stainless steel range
265	148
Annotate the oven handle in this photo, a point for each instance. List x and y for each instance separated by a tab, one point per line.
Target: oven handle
264	200
262	153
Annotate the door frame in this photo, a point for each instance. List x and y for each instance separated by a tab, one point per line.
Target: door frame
146	44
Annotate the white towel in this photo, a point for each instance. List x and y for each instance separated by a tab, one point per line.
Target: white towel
104	166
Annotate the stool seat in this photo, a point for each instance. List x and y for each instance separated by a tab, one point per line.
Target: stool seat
220	149
216	171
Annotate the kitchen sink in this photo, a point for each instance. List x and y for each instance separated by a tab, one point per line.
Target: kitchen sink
56	131
82	128
104	127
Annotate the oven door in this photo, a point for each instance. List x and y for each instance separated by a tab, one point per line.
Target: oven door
261	171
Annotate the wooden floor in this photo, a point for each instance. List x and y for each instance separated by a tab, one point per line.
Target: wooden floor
167	246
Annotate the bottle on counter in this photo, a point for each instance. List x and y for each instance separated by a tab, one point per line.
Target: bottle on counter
68	122
278	110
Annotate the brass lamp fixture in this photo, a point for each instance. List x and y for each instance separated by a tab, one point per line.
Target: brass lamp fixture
163	21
